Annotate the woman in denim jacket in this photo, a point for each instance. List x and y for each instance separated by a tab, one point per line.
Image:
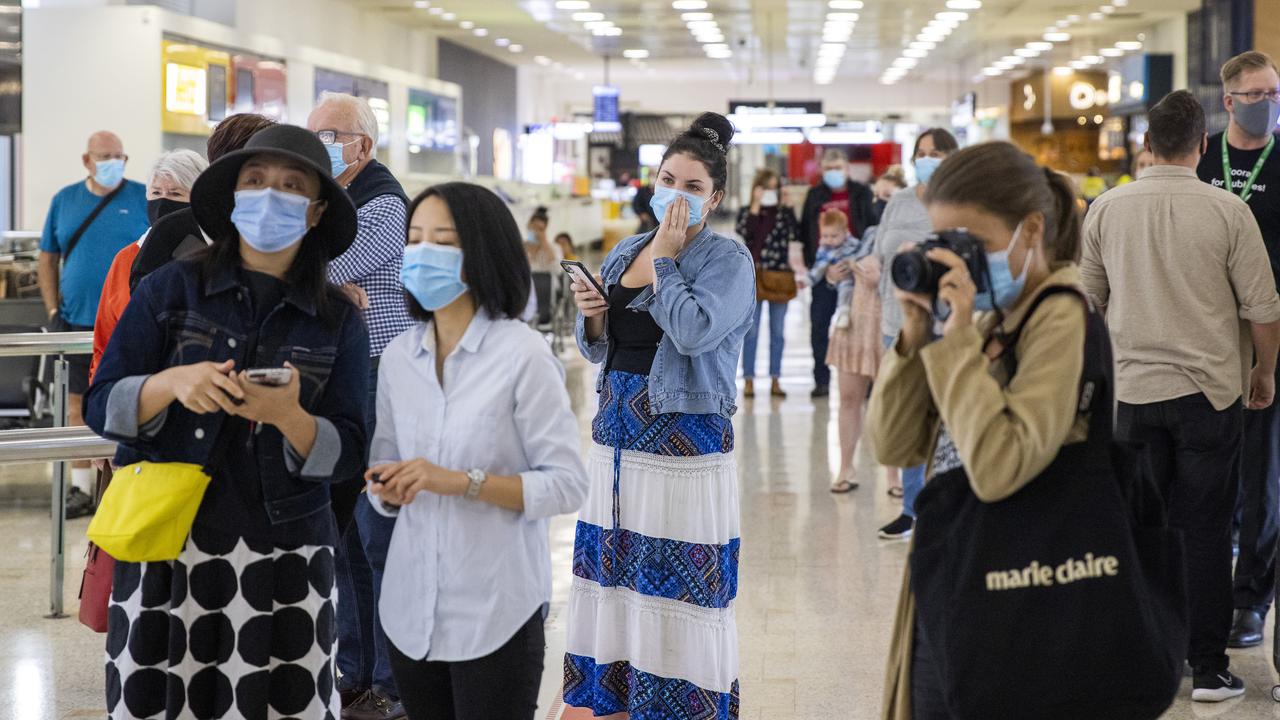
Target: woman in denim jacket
242	623
651	619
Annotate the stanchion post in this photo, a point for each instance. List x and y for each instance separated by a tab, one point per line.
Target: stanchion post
58	504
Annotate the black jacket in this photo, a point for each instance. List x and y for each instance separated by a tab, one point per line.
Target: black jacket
174	236
861	210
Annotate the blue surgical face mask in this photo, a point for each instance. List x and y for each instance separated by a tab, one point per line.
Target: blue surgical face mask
530	237
663	197
337	165
108	173
924	168
835	179
270	220
433	275
1004	286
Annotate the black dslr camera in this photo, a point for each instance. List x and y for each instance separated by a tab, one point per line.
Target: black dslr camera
913	272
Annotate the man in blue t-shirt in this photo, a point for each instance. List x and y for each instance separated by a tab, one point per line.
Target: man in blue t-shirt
72	274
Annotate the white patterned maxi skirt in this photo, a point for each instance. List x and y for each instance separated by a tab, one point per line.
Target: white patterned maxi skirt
655	563
231	629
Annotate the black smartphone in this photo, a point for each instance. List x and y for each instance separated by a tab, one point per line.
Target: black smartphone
578	271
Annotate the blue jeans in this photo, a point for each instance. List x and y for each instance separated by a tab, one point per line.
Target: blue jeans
821	309
912	478
361	557
777	328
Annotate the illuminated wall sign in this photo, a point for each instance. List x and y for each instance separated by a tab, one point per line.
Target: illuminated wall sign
185	90
1028	97
606	108
1084	95
1070	96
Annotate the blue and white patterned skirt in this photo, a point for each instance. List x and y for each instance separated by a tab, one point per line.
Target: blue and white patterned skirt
655	563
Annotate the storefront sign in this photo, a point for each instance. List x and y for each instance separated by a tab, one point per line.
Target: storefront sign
1081	92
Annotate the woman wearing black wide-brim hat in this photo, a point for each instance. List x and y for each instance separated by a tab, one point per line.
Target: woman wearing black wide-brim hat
246	362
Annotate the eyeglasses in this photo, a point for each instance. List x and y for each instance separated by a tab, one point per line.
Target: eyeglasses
329	137
1253	96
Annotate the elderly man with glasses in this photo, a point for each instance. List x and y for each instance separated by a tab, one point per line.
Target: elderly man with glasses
89	221
370	273
1242	161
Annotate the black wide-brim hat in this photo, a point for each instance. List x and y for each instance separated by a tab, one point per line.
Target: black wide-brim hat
213	195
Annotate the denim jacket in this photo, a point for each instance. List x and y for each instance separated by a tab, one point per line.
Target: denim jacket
703	301
178	317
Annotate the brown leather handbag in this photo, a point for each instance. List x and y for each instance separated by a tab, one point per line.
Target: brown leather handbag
95	586
775	285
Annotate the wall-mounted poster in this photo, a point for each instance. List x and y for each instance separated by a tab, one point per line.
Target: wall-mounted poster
432	122
259	86
203	85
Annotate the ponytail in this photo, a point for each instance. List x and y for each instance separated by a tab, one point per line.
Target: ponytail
1006	182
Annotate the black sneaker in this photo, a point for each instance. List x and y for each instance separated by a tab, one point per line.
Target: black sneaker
1216	687
900	529
373	705
79	503
820	392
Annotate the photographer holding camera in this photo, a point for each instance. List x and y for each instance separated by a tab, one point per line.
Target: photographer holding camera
1009	231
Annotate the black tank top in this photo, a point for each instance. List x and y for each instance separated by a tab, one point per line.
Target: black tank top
634	335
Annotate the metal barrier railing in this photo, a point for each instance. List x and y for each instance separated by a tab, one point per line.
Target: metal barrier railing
58	444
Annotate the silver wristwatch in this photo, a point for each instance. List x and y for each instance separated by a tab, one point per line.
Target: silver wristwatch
477	478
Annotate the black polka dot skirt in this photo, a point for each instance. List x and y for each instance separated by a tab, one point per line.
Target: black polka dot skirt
231	629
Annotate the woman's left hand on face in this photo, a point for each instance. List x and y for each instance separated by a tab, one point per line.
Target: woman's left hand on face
267	403
956	288
402	481
671	233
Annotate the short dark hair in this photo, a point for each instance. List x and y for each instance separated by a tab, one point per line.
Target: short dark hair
493	257
707	141
232	133
1175	126
943	141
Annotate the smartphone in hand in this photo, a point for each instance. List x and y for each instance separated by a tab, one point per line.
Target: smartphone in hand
578	271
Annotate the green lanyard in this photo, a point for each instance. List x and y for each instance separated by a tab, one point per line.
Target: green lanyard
1247	192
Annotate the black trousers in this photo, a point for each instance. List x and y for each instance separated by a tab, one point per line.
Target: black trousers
821	309
928	696
1259	510
500	686
1193	453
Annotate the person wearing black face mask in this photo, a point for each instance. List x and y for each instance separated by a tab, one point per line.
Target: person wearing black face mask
168	191
1251	88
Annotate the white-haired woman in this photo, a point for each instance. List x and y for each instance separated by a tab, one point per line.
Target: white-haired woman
168	189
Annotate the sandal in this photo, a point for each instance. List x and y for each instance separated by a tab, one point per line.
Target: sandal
844	486
896	492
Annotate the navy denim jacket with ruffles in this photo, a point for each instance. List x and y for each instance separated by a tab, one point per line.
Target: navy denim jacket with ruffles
178	317
703	301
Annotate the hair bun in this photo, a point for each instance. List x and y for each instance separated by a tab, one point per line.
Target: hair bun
713	127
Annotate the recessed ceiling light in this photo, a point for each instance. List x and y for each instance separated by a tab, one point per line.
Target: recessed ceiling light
709	37
922	45
849	17
697	16
964	4
480	32
501	42
597	24
1040	46
1095	16
636	54
1111	52
1107	9
697	25
516	47
1129	45
1063	71
1093	59
1079	65
466	24
542	60
421	4
1013	60
1057	37
831	49
914	53
715	47
1026	53
992	72
1063	24
436	10
845	4
907	63
1120	3
689	4
720	54
587	16
449	17
572	4
952	16
1073	19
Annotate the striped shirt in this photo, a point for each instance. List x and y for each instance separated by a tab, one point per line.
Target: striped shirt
373	262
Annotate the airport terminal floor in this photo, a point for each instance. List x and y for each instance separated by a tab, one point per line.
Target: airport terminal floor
815	607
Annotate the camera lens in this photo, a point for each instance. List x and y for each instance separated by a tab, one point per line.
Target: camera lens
911	272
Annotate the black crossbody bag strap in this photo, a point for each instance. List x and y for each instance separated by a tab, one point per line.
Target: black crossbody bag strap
102	204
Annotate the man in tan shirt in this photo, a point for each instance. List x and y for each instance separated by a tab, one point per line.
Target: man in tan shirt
1180	267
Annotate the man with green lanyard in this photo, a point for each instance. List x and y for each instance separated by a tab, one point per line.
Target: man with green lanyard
1243	153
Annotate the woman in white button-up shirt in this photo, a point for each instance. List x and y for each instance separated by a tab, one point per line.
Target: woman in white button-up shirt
476	447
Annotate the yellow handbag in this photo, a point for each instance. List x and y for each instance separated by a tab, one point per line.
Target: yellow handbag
147	510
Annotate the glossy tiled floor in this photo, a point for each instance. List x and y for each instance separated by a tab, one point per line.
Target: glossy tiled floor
816	594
